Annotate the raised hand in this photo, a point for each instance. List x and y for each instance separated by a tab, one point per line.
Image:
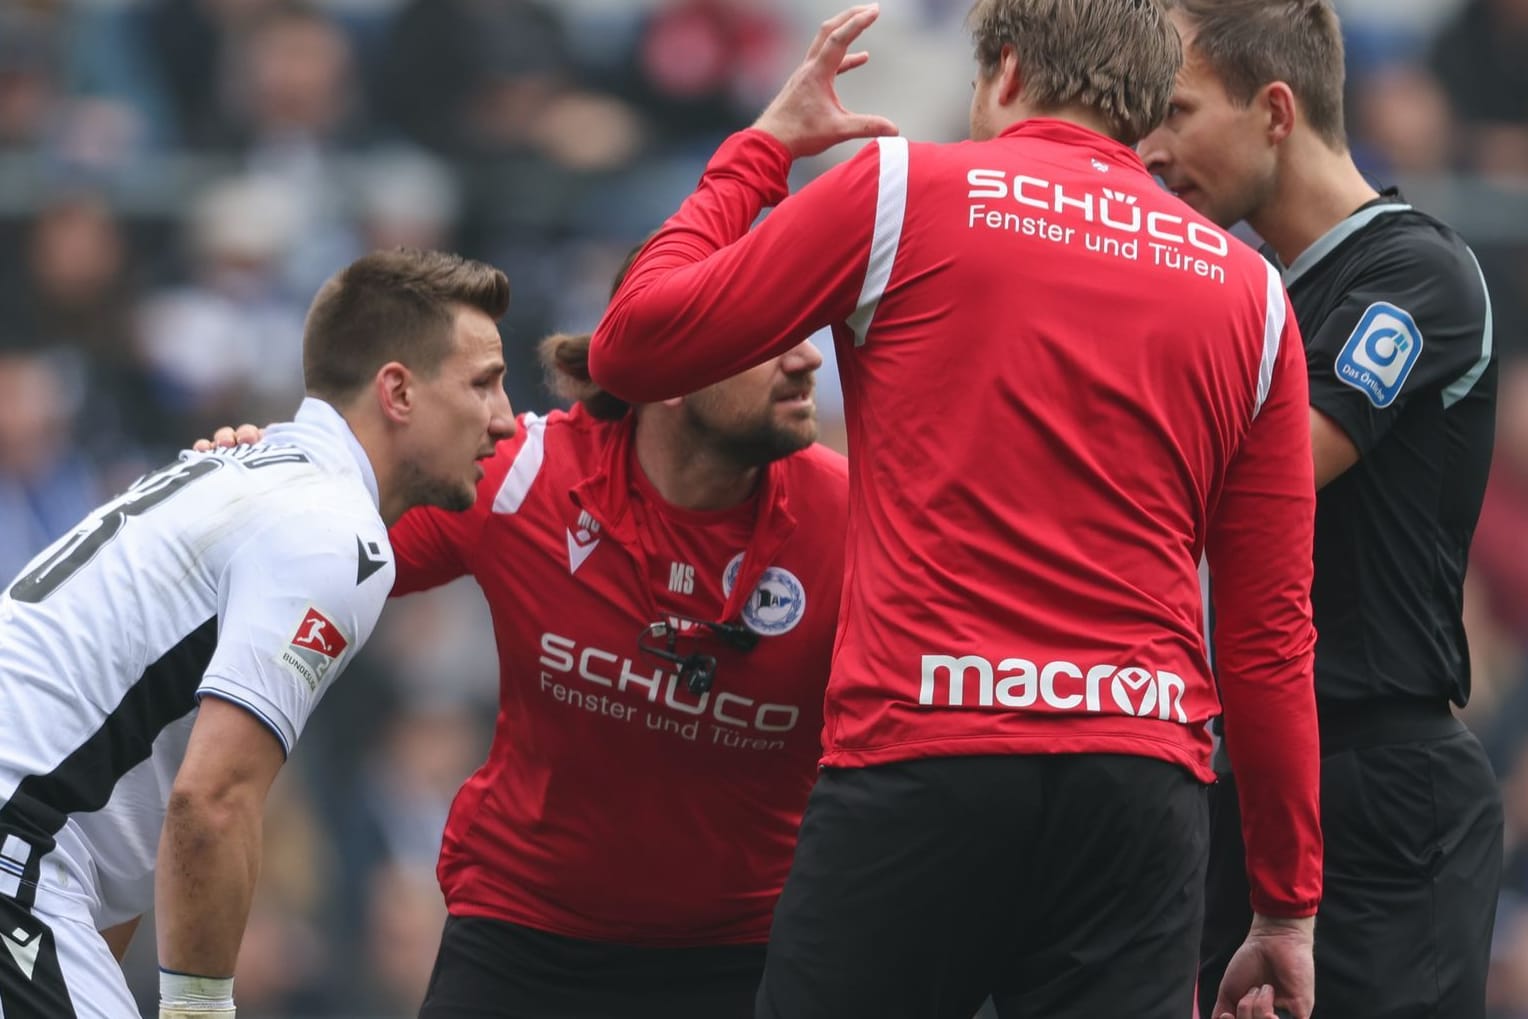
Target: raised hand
806	115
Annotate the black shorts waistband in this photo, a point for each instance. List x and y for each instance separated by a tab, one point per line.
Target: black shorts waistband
1349	725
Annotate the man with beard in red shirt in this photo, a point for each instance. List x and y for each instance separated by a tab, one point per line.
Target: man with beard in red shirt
664	584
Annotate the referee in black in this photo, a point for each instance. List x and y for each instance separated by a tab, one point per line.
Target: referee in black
1397	327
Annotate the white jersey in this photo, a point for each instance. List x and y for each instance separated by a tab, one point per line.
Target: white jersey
253	575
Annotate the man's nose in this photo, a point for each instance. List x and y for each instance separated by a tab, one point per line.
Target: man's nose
502	424
803	357
1153	153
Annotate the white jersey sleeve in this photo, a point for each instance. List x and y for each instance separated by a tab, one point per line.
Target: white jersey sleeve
297	602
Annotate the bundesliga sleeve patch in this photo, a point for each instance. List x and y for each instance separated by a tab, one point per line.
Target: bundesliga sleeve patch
1380	353
317	645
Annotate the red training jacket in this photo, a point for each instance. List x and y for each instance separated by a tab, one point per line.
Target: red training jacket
615	805
1062	386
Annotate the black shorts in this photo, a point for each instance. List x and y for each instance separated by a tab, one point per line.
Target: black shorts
490	969
1413	834
1066	886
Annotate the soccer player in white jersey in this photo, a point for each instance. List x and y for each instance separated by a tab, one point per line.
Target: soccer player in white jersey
158	663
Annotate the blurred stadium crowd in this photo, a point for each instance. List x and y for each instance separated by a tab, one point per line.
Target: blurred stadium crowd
178	176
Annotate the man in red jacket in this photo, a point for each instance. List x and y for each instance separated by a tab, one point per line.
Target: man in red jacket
664	585
1064	387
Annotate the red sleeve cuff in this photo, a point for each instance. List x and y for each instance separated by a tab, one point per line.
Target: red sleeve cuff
1284	910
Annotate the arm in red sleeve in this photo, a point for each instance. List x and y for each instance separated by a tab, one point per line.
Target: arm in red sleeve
1259	549
427	544
708	298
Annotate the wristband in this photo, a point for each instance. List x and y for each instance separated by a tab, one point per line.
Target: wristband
185	996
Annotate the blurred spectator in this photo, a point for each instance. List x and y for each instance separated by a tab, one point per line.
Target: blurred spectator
438	52
402	931
83	294
414	767
1401	119
1482	60
45	486
29	74
189	43
1508	981
285	965
700	67
76	261
491	76
1497	596
1407	17
490	84
1499	557
407	199
292	84
388	822
96	105
435	645
294	115
1507	984
398	738
227	346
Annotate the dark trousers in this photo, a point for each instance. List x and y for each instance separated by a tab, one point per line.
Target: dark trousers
1065	886
490	969
1413	835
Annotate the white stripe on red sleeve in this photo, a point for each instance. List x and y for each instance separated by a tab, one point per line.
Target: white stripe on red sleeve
890	209
522	473
1273	333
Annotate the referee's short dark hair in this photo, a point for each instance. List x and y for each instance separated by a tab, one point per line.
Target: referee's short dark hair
397	305
1252	43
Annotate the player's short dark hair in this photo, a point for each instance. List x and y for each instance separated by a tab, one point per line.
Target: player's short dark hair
398	305
1118	58
565	361
1252	43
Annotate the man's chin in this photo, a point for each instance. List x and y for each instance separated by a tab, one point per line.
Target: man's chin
1224	215
451	498
797	436
1198	201
771	444
796	420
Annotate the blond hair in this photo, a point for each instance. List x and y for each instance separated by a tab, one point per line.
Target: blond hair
1118	58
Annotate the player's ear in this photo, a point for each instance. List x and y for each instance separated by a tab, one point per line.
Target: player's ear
1278	101
394	385
1010	76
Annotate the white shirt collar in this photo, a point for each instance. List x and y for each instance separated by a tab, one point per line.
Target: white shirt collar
317	413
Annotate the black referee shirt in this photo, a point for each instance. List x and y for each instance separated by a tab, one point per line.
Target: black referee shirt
1397	328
